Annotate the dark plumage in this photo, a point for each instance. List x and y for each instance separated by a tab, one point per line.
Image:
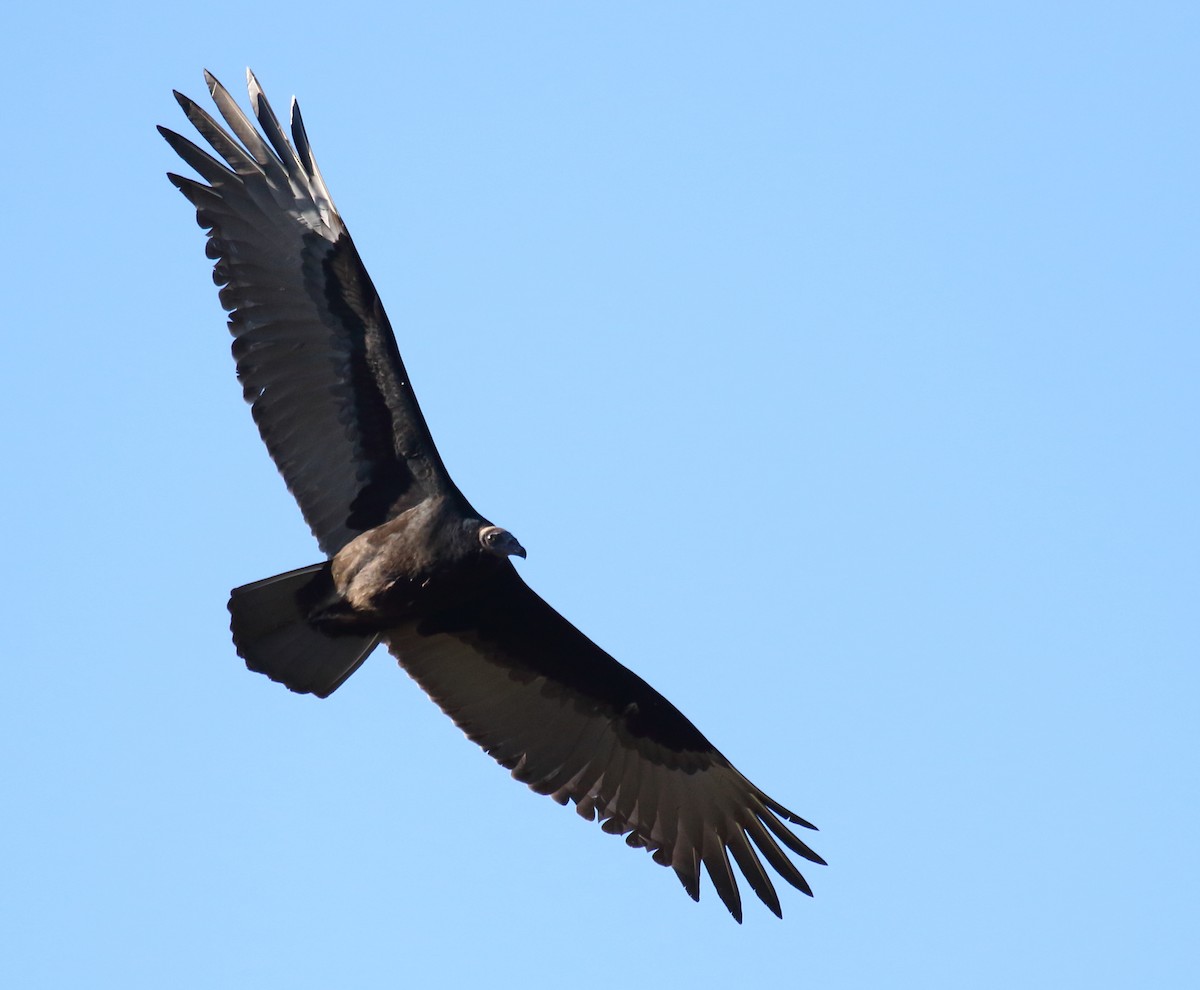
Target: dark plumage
411	563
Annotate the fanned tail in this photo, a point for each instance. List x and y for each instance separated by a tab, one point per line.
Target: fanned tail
272	633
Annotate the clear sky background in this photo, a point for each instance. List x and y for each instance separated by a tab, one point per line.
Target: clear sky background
837	364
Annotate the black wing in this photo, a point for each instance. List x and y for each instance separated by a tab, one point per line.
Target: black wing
315	352
571	722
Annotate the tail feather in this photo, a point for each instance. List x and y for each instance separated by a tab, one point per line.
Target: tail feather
274	637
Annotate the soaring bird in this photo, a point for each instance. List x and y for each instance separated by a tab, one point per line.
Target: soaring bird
409	562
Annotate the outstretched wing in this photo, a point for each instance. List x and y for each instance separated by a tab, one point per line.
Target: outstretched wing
571	722
315	352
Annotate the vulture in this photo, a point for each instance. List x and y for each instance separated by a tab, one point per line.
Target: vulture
409	561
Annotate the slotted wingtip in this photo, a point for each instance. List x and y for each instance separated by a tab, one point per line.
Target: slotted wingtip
783	812
177	141
253	88
692	887
732	901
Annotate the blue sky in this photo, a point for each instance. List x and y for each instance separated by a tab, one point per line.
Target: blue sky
837	367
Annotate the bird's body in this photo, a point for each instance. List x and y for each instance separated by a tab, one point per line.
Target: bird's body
410	562
391	573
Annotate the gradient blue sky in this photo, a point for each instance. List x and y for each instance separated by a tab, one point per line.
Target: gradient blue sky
837	365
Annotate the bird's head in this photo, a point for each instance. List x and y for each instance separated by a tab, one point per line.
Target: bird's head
500	541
